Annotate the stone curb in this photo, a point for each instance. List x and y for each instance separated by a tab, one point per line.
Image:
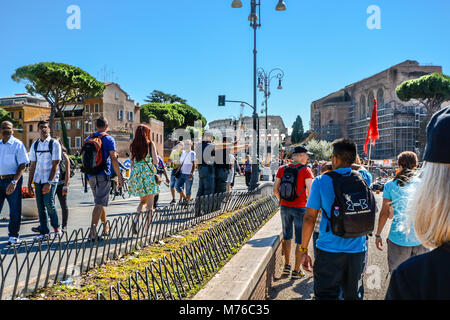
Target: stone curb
238	279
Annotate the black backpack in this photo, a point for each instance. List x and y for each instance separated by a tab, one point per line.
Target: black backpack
288	186
353	211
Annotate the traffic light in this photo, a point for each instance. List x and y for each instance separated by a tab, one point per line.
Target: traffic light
221	101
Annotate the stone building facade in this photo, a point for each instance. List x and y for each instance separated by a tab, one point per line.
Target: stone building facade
347	112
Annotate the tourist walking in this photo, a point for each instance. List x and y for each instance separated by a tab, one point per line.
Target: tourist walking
143	181
232	172
401	245
427	276
291	187
341	246
13	160
174	162
185	174
205	155
222	166
160	170
248	170
99	158
45	155
274	166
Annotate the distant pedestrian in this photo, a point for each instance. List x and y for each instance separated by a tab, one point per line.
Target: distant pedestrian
99	157
400	244
248	170
341	246
274	166
174	162
45	155
13	160
232	172
266	172
161	171
205	155
144	159
427	276
222	166
292	186
185	180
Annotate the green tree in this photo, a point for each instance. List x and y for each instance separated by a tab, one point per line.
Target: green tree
159	96
298	133
174	115
321	149
430	91
4	116
60	84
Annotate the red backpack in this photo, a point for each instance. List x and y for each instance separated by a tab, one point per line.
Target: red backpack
92	155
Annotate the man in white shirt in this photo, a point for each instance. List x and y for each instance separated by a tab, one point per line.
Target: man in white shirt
13	159
45	155
186	179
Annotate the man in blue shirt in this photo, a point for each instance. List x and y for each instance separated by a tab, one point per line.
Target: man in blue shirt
339	262
13	159
101	183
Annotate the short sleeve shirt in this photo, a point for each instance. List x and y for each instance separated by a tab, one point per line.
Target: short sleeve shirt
322	197
108	144
186	160
44	160
13	153
402	229
303	174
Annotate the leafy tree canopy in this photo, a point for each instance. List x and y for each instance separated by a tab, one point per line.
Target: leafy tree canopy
4	116
298	133
159	96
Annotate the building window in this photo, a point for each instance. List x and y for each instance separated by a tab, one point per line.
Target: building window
362	107
30	128
87	108
57	125
131	115
77	124
117	96
370	104
153	136
20	115
96	107
380	97
120	114
77	142
69	142
11	114
68	124
86	126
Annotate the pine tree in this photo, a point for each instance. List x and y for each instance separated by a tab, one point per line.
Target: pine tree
298	132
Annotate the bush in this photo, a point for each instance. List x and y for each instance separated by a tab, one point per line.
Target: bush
321	149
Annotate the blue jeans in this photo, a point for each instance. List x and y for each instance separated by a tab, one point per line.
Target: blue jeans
292	217
221	175
46	208
15	205
206	180
173	180
182	181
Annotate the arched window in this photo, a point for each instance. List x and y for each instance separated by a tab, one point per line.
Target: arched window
370	104
362	107
380	97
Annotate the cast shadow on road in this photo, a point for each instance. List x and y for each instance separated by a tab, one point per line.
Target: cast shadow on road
302	289
263	242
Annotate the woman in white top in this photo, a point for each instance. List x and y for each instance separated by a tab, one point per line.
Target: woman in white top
232	161
186	172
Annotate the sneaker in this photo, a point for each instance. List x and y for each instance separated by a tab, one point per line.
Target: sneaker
287	269
41	237
297	275
64	229
13	241
36	230
58	232
173	202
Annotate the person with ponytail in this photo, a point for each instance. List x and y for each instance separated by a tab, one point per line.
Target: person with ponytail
401	245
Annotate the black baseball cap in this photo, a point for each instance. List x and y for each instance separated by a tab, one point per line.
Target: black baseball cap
300	149
438	133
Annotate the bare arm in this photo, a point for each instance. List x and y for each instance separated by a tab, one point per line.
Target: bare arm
115	164
276	188
67	177
154	154
55	168
308	225
308	183
31	173
384	214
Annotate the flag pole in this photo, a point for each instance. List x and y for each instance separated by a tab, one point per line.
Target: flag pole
370	153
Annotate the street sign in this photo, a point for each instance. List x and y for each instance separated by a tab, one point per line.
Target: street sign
127	164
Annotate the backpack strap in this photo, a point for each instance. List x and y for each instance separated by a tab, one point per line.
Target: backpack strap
300	168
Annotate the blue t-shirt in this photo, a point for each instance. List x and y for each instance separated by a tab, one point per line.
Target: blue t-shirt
400	234
108	144
322	196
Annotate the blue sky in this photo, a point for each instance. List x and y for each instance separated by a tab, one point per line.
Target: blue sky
199	49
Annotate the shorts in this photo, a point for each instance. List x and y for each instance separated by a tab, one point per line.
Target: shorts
399	254
173	180
101	187
181	181
292	217
230	176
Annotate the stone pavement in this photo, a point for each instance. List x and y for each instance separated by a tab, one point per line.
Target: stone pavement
376	281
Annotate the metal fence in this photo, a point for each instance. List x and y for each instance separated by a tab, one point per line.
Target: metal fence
29	266
174	275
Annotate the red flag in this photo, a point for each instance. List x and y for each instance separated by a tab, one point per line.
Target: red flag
372	134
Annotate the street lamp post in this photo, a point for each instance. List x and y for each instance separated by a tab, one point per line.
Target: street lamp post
264	81
254	19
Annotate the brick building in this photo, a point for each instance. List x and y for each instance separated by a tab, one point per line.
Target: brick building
347	112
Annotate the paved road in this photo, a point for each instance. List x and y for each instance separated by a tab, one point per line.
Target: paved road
375	278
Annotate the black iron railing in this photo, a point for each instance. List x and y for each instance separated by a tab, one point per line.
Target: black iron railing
29	266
